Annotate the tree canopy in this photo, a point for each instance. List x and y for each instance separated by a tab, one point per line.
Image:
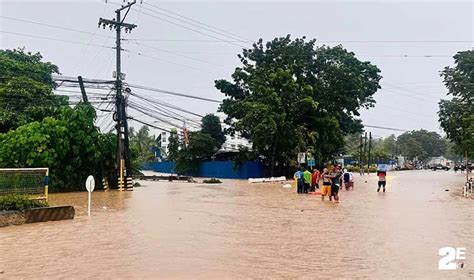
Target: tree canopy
69	144
40	129
211	124
422	144
290	96
26	89
201	147
456	116
173	145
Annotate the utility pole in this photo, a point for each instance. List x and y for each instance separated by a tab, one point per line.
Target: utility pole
467	167
368	154
365	146
360	156
83	90
123	153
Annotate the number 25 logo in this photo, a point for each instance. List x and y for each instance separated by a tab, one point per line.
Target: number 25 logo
450	254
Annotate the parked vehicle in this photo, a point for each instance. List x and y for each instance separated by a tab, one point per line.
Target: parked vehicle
439	167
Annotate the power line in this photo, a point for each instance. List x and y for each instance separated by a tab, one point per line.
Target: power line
53	26
188	28
172	62
160	109
52	39
151	125
174	93
188	20
152	100
317	41
386	128
180	55
144	111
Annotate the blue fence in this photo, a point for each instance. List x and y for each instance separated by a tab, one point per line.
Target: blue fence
225	169
162	167
215	169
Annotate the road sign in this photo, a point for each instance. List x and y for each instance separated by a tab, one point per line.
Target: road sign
311	162
301	157
90	185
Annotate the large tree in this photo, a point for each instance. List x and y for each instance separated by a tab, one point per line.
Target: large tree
211	124
422	144
201	147
69	144
141	144
173	145
26	89
456	116
290	96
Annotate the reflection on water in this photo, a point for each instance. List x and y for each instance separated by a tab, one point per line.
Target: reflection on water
237	230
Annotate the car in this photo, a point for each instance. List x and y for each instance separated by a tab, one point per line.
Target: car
439	167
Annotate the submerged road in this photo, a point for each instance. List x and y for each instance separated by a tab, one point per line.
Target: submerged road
237	230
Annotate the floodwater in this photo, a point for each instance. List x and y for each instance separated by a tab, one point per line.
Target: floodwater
236	230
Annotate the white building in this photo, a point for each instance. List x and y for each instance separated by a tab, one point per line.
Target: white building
235	143
164	143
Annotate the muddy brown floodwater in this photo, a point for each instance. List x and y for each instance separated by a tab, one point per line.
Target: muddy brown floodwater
237	230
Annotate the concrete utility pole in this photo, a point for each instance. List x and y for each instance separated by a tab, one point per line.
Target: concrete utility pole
368	154
124	171
83	89
365	146
360	156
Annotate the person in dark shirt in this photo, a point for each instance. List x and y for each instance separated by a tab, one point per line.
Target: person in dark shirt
336	183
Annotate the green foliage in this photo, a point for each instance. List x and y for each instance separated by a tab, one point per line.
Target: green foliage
422	144
20	203
201	147
26	89
70	145
245	154
354	169
212	181
456	116
211	125
290	96
173	145
141	144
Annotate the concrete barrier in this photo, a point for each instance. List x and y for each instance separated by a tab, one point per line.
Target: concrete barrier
11	218
45	214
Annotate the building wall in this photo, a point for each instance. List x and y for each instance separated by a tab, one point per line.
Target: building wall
235	143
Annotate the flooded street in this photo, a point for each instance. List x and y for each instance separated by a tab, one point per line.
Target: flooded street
237	230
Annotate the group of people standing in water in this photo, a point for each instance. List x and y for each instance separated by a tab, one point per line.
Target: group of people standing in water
308	182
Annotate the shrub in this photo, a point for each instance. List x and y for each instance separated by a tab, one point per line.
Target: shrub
20	202
212	181
354	169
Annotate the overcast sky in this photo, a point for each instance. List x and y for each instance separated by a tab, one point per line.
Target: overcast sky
386	33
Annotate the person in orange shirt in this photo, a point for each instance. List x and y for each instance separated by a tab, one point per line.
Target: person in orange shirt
315	179
382	181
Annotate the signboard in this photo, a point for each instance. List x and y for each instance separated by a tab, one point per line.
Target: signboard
90	183
301	157
311	162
